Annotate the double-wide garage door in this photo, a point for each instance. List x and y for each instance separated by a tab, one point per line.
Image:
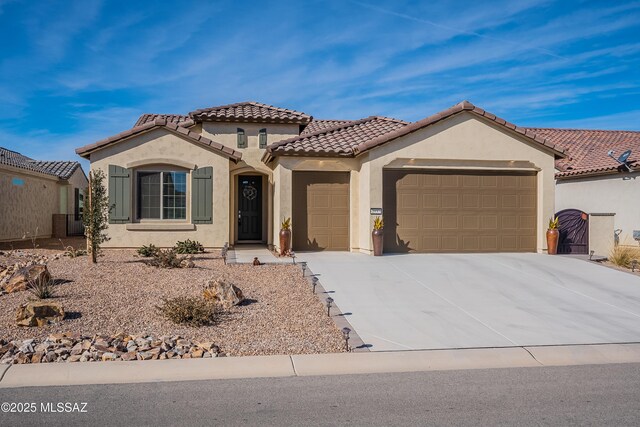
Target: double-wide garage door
320	219
458	211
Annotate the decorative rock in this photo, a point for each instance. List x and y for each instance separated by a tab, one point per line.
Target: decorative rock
19	281
223	293
39	313
128	356
50	357
74	358
197	354
37	357
109	357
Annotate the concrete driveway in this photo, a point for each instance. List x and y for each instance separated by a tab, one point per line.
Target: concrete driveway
433	301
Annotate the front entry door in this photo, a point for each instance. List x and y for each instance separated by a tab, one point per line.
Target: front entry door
249	207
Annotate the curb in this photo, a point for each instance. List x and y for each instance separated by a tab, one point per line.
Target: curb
67	374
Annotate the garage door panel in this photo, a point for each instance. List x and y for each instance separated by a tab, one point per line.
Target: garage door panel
320	211
460	211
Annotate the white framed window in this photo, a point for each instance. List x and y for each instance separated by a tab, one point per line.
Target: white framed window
162	195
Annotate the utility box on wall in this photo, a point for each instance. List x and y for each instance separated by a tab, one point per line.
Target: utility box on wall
601	233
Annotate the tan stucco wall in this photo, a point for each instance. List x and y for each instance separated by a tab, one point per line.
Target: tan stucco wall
162	148
77	180
619	194
463	138
23	209
601	240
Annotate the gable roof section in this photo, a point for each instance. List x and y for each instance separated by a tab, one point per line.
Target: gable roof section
449	112
587	150
250	112
319	124
156	124
171	118
60	169
338	141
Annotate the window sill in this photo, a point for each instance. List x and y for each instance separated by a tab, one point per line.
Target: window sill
160	227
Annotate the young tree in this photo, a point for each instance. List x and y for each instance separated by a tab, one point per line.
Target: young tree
96	214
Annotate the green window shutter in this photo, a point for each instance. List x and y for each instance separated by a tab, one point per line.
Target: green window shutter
202	195
263	138
242	138
119	195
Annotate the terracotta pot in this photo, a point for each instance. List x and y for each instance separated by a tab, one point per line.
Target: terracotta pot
377	236
552	241
285	241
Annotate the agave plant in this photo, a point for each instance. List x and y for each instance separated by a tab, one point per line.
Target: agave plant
553	223
378	223
286	224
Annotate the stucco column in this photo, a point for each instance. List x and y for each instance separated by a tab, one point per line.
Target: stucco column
282	200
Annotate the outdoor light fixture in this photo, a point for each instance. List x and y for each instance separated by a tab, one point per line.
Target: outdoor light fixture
293	256
591	255
303	264
634	265
345	333
329	302
314	282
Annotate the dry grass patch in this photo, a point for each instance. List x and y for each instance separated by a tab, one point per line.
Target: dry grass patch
623	256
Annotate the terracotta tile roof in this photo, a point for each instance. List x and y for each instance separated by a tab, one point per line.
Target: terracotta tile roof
60	169
587	150
458	108
171	118
339	140
250	112
317	124
160	123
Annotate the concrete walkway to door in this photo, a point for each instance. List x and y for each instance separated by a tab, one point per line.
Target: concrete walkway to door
438	301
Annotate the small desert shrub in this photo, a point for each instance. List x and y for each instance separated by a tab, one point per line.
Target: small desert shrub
623	255
189	247
72	252
41	288
148	250
189	310
166	258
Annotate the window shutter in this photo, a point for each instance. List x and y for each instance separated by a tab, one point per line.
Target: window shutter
119	195
263	138
76	204
202	195
242	138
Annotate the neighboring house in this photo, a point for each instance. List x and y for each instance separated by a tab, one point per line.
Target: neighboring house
462	180
41	198
590	180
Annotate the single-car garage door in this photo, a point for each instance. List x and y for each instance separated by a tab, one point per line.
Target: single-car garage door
320	211
457	211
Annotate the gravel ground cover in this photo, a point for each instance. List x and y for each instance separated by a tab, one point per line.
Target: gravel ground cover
119	294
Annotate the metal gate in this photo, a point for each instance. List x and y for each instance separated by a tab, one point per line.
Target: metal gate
574	232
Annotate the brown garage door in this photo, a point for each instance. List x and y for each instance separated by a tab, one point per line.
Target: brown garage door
320	211
459	211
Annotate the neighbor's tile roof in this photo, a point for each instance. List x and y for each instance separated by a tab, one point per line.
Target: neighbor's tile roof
319	124
160	123
171	118
587	149
338	140
250	112
60	169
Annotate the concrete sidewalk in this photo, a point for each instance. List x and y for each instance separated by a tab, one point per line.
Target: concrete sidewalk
58	374
245	254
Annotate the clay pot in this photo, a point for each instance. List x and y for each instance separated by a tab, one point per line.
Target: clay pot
285	241
552	241
377	236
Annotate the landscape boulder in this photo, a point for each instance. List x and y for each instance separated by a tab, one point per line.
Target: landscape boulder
39	313
223	293
19	281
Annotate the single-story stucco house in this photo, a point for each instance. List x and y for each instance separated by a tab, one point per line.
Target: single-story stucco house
462	180
593	180
39	198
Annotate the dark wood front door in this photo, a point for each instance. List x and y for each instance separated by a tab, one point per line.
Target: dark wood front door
249	207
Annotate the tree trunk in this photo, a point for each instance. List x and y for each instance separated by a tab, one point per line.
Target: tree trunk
90	246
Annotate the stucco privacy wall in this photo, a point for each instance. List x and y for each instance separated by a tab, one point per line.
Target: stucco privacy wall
27	207
619	194
601	240
161	147
77	180
468	138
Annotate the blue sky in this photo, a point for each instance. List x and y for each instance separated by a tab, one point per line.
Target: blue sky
73	72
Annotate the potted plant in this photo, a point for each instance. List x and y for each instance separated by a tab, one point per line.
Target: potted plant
377	235
285	236
552	236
